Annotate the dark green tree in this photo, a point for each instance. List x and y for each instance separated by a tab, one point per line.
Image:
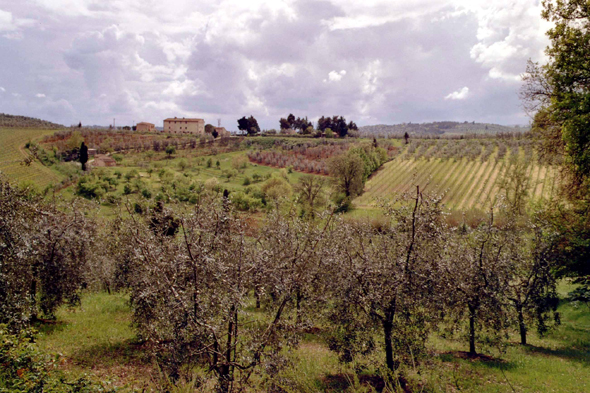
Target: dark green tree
558	94
170	150
250	125
83	155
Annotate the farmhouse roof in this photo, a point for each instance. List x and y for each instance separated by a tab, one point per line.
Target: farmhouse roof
183	119
144	122
105	158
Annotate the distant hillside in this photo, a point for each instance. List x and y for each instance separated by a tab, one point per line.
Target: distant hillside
438	128
10	121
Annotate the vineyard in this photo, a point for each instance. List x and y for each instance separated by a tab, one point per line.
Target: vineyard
12	155
468	173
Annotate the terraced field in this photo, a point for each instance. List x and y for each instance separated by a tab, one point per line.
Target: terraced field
12	153
467	183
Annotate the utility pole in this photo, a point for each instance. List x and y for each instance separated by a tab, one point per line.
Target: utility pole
114	126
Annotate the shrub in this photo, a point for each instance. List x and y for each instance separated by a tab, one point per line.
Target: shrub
212	184
239	162
276	188
245	202
229	173
182	165
147	194
89	188
131	174
27	369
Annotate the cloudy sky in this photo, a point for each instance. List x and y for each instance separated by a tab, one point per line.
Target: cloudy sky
373	61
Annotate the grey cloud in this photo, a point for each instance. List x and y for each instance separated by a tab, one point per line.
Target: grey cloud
94	64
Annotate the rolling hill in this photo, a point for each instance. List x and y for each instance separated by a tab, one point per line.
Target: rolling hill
11	121
438	128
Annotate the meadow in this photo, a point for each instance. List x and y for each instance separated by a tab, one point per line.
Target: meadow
96	340
13	153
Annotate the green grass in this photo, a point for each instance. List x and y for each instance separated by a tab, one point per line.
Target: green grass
97	339
12	153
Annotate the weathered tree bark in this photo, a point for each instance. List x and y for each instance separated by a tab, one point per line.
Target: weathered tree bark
33	295
521	325
299	299
225	371
472	311
387	330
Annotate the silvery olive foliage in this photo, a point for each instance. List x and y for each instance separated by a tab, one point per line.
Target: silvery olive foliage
386	281
43	252
192	292
532	286
478	276
501	277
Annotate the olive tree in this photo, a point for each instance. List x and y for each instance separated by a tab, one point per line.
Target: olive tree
385	281
190	291
532	286
478	277
43	254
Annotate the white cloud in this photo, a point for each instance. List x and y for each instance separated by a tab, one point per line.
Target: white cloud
6	21
67	7
459	94
2	89
335	76
40	95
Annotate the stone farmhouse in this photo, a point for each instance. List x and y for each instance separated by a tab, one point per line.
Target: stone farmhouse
184	126
222	132
145	127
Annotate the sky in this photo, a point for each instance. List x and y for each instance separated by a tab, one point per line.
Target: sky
372	61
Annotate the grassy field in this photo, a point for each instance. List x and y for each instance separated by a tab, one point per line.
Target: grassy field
197	169
96	339
466	184
12	154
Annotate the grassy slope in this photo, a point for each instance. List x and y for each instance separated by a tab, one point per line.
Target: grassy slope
12	154
97	339
196	169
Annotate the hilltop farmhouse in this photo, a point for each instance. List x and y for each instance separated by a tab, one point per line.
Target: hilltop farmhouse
184	126
145	127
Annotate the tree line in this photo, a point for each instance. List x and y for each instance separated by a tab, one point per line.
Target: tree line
326	126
